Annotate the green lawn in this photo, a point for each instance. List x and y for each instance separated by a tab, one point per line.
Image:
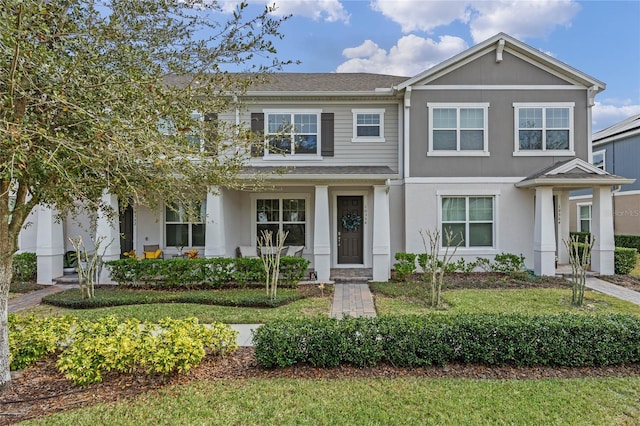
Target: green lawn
399	401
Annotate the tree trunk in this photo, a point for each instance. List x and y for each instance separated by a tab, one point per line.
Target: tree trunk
5	279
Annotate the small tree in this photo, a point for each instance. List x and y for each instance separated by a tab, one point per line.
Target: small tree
270	255
89	265
433	265
580	259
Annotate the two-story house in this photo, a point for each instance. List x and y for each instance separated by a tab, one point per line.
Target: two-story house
487	144
616	150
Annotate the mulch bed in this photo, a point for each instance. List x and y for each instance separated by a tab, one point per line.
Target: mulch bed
42	390
627	281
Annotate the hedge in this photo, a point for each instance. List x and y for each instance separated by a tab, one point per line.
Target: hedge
413	341
625	260
629	241
202	273
25	267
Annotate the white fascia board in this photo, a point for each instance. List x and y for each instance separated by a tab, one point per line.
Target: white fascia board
280	93
574	183
463	180
617	137
323	177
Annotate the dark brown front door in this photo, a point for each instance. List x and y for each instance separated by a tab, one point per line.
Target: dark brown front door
126	230
350	230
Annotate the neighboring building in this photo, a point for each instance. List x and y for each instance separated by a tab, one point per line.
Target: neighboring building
616	149
487	144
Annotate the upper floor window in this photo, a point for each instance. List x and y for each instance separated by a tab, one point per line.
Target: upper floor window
544	129
598	159
458	129
368	125
292	133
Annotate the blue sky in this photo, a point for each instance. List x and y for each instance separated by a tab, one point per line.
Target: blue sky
405	37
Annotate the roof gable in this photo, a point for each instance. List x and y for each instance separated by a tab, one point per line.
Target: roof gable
625	128
499	44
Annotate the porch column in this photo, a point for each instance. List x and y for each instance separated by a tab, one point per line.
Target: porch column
108	229
563	227
214	241
50	245
322	234
602	258
544	238
381	234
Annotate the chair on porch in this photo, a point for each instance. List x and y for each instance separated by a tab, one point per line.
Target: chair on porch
247	251
152	251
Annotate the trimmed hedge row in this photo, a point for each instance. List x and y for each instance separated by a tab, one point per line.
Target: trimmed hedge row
629	241
202	273
624	259
25	267
412	341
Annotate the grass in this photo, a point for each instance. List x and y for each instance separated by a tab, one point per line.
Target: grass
398	401
636	270
395	299
205	313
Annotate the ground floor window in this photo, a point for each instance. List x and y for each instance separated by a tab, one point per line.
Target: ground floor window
584	217
282	214
470	221
185	226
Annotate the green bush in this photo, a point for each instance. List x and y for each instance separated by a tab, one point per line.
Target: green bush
202	273
581	236
508	263
405	265
25	267
628	241
625	260
110	344
32	338
107	297
490	339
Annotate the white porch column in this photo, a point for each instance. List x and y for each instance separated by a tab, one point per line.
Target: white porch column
544	238
381	234
214	233
50	245
602	258
563	227
108	229
322	234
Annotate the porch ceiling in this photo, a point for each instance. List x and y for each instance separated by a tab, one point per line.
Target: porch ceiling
341	173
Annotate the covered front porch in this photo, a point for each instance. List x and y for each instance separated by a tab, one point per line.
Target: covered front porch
551	216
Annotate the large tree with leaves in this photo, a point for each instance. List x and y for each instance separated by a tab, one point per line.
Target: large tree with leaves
99	96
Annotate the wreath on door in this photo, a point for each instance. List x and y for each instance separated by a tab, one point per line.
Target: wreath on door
351	221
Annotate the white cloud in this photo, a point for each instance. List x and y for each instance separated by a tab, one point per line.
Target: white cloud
411	55
605	115
327	10
421	15
521	19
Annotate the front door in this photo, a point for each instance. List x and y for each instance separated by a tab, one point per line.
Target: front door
350	230
126	230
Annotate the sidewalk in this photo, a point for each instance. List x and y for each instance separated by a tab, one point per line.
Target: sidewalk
613	290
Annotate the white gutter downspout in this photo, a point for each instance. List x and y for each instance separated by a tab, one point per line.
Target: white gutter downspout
591	101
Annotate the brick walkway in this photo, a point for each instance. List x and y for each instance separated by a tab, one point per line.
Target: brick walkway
613	290
34	298
353	300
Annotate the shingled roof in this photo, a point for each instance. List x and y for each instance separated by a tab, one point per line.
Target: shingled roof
311	82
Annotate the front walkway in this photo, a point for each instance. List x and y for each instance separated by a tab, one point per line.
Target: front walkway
353	300
613	290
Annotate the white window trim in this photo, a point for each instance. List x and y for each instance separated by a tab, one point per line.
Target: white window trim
472	251
297	157
270	196
579	219
602	152
543	151
377	139
458	152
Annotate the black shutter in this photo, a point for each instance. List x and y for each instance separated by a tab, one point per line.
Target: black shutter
257	128
327	134
211	133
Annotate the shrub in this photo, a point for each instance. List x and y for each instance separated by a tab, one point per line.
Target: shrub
110	344
201	273
405	265
628	241
31	338
490	339
508	263
25	267
625	260
581	235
